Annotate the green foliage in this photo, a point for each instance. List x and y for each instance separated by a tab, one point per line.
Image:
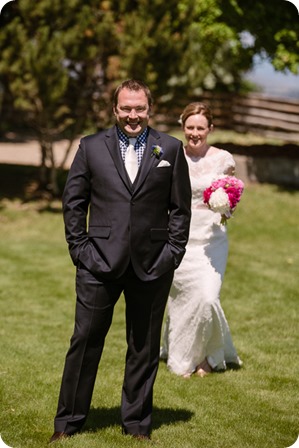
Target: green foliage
274	26
61	59
179	46
54	60
254	407
53	69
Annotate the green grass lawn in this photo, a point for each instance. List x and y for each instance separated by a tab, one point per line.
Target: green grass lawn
255	407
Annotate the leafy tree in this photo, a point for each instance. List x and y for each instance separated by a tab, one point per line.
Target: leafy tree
189	45
61	59
54	63
179	46
273	25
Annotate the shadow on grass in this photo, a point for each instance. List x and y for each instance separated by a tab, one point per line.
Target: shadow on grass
21	182
15	179
287	189
106	417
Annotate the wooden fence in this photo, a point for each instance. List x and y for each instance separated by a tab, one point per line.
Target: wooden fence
268	116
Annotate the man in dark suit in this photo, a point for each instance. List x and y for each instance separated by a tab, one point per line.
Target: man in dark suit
135	237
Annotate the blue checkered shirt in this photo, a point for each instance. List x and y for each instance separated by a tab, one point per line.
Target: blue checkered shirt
139	145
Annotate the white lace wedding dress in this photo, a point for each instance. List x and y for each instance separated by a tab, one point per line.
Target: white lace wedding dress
196	327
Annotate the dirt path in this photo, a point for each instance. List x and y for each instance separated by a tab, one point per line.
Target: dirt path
28	153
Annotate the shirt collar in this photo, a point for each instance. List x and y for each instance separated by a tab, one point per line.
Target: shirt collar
141	138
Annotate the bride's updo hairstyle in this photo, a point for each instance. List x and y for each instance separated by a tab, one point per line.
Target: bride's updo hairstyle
195	109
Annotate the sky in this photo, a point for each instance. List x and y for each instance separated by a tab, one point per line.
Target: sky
274	83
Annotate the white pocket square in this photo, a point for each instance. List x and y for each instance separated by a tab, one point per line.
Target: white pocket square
163	163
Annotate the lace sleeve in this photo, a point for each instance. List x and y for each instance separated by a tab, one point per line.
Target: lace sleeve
229	164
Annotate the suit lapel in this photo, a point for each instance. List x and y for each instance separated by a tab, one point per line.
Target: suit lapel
113	147
147	160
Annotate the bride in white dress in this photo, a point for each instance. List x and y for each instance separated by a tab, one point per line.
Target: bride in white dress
196	336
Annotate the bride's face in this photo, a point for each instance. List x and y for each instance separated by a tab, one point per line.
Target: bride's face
196	129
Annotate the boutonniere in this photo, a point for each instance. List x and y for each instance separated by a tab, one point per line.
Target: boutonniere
157	151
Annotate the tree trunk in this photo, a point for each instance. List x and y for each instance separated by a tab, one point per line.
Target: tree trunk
48	170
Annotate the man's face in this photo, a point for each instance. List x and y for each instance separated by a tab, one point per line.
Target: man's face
132	111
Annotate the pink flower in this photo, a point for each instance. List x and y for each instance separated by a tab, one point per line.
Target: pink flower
223	195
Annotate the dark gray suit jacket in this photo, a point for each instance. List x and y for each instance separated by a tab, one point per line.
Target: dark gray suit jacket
109	221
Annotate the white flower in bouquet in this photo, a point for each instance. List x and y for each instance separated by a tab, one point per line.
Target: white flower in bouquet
223	195
219	201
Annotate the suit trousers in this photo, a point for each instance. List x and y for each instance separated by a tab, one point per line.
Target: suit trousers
145	306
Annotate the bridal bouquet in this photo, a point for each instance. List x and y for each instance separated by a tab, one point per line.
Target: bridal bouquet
223	195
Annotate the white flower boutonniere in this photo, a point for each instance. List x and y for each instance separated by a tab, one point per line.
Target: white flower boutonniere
157	151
